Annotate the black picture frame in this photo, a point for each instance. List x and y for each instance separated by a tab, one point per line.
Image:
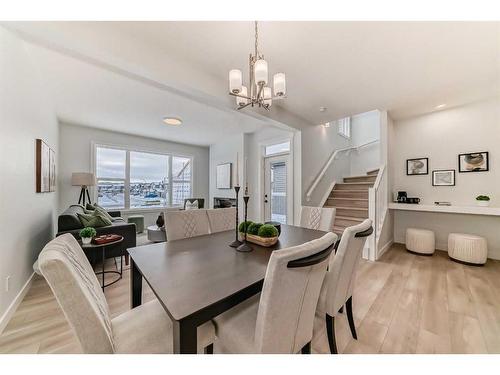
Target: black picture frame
444	170
417	174
487	162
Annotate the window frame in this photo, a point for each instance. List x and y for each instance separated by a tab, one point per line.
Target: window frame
344	123
128	150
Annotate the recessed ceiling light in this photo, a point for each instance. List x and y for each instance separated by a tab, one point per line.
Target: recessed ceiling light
322	109
172	121
440	106
326	124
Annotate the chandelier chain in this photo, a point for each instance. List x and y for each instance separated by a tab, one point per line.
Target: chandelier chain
256	41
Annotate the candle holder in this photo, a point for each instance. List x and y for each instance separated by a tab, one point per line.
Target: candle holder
236	242
245	247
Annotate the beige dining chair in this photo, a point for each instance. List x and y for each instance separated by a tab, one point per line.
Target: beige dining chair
144	329
280	319
186	224
339	280
320	218
222	219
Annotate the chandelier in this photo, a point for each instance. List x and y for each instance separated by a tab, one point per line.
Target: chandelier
258	93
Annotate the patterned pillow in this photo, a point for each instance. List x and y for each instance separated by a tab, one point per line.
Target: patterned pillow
103	212
191	205
94	220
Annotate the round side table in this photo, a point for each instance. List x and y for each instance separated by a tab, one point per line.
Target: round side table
93	246
156	234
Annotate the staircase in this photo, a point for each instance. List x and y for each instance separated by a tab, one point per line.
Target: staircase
350	199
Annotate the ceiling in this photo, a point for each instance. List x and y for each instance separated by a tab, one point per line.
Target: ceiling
407	68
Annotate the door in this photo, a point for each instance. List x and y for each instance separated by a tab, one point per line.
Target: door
276	189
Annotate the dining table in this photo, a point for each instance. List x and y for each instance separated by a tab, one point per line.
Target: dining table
195	279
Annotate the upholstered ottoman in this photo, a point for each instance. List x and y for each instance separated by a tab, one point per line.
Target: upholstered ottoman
467	248
138	220
420	241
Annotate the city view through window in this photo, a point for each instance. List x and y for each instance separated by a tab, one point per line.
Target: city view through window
153	180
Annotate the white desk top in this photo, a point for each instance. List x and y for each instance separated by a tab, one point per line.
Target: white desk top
470	210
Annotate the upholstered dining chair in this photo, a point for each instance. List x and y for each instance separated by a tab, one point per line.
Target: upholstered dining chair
280	319
339	280
320	218
186	224
222	219
144	329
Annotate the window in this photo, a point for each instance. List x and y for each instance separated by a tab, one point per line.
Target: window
345	127
277	148
132	179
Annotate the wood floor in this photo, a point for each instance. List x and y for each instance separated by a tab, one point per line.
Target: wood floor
403	303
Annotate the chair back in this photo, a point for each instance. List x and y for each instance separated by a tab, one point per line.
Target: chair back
290	295
201	202
339	280
186	224
70	276
320	218
222	219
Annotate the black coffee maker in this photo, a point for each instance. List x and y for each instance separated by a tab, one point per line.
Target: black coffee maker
402	197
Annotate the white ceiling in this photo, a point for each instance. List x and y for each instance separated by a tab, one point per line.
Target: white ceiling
349	67
88	95
407	68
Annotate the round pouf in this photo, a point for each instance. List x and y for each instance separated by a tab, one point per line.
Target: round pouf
138	220
467	248
420	241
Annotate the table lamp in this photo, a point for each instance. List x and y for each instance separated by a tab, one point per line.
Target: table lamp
84	180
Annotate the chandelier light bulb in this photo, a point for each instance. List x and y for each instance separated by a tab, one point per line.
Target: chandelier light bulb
268	96
261	72
279	84
235	81
242	101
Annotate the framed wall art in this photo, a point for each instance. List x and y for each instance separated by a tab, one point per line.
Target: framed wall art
473	162
444	177
415	167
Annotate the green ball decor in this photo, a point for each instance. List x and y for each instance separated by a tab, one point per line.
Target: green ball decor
267	230
244	226
254	228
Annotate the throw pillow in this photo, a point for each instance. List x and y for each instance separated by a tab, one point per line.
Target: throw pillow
103	212
94	220
191	205
90	207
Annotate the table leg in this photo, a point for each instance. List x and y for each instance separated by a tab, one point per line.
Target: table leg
185	337
135	285
103	260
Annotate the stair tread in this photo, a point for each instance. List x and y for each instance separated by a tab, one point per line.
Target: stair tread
352	208
349	199
353	218
362	176
355	183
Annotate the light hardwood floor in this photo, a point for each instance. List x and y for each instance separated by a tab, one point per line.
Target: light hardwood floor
403	303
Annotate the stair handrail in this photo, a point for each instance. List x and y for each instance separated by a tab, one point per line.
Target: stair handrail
330	160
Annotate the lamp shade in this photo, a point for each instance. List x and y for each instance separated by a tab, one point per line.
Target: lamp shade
82	179
260	70
235	81
279	84
242	101
268	95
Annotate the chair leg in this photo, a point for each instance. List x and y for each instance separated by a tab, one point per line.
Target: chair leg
330	329
350	318
209	349
127	257
307	348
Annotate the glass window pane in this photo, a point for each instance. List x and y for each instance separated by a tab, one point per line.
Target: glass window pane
278	148
110	163
278	192
181	179
148	180
110	194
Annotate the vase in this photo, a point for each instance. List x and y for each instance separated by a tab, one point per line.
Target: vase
483	203
86	240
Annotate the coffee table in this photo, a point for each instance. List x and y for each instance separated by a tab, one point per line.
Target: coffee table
93	246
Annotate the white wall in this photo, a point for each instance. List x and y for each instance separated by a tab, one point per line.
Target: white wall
225	152
76	148
27	218
365	128
441	136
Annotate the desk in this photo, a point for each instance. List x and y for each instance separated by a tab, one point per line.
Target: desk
468	210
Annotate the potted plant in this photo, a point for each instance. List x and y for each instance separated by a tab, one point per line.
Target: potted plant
483	200
87	234
261	234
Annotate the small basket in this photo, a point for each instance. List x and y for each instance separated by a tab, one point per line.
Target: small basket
261	241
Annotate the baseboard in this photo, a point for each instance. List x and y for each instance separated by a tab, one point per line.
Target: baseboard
384	248
4	320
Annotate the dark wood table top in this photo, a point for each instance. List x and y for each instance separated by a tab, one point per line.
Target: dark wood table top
191	274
